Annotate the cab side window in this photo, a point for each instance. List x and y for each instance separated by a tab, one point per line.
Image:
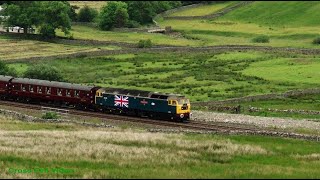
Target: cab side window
174	103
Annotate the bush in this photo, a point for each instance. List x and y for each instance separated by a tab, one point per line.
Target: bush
43	72
145	43
316	40
261	39
50	115
87	14
7	71
132	24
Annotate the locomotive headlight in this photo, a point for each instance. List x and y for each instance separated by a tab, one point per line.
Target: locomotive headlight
181	115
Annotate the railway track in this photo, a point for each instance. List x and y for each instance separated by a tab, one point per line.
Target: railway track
220	127
194	125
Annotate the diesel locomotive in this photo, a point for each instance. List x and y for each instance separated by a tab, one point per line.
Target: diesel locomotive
109	100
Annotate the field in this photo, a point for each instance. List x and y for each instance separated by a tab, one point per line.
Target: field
281	13
296	26
203	10
114	153
93	4
199	76
33	48
86	32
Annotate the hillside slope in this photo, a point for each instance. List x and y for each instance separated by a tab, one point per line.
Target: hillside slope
275	13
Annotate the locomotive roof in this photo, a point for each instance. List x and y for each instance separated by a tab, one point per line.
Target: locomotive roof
5	78
140	93
52	84
127	92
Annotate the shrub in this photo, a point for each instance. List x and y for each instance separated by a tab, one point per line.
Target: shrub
43	72
132	24
316	40
261	39
145	43
50	115
87	14
6	70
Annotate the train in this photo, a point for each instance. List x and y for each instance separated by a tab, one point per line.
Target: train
119	101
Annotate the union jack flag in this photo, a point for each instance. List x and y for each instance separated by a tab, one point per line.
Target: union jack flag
121	101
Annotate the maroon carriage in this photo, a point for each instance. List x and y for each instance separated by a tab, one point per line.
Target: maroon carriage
4	85
53	92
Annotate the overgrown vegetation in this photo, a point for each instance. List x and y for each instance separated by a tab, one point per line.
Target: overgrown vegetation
6	70
261	39
43	72
316	41
199	76
145	43
50	115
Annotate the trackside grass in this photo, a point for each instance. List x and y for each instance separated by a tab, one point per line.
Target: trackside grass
105	153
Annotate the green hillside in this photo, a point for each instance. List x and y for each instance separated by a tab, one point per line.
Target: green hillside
291	13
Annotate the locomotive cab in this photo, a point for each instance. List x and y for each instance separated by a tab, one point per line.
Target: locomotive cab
182	105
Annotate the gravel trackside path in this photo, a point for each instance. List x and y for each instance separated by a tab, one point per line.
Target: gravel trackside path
255	120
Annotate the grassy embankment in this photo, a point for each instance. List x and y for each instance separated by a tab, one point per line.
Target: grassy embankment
113	153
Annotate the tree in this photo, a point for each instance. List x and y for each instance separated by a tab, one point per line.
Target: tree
47	15
87	14
72	14
121	18
43	72
54	15
144	11
24	14
114	14
5	70
141	11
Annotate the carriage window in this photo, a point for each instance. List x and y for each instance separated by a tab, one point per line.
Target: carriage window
68	93
39	89
23	87
48	90
31	88
76	93
16	87
59	92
